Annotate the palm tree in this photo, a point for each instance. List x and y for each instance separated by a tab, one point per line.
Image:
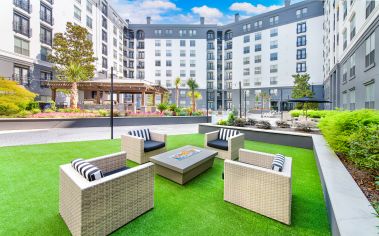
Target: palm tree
197	96
74	73
192	86
177	83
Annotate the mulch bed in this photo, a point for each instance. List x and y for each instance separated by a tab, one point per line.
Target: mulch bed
364	178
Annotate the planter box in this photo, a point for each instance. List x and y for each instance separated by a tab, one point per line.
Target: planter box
47	123
349	211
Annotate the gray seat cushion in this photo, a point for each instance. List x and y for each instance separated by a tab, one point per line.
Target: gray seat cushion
115	171
219	144
151	145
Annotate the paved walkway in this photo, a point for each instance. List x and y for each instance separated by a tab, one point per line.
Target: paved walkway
25	137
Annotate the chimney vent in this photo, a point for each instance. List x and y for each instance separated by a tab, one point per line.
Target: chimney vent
148	20
202	19
287	3
236	17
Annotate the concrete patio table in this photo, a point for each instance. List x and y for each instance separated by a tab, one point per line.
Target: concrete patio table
183	164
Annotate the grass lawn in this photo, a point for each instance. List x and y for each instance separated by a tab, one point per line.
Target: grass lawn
29	194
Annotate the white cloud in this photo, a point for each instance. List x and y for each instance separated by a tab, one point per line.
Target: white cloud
212	15
249	8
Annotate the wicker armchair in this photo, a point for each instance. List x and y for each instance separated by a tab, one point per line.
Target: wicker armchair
136	150
234	144
102	206
251	184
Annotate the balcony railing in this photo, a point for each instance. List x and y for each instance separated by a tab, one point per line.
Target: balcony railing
24	5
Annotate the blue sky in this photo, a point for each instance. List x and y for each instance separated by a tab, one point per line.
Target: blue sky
187	11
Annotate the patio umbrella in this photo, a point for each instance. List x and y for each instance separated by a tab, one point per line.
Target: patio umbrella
308	100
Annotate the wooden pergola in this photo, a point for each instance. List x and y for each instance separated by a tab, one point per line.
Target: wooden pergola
119	87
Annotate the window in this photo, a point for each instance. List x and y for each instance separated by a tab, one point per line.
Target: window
301	41
246	50
274	20
257	70
246	27
89	6
77	13
274	44
158	32
115	42
46	14
104	8
168	84
192	53
301	28
370	5
274	56
273	68
301	67
192	33
273	80
183	73
104	49
344	38
157	43
210	35
258	24
157	73
46	36
182	33
89	22
168	63
258	36
246	60
192	73
104	36
168	53
182	53
168	73
257	82
344	73
210	56
24	4
258	48
370	96
257	59
246	38
157	63
274	32
182	63
246	83
192	63
104	63
210	76
45	52
157	53
273	92
352	66
300	13
45	76
352	99
229	55
21	25
182	43
192	43
344	99
210	66
168	43
370	50
104	22
246	71
301	54
352	27
210	46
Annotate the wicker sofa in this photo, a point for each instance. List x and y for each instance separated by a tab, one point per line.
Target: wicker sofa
102	206
137	148
227	151
251	184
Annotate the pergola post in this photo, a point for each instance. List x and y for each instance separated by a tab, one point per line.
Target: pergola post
97	97
118	97
142	99
153	99
53	94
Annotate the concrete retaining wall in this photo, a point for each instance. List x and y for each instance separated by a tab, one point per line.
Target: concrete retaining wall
22	124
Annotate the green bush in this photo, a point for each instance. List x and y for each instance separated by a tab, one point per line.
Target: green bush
231	118
222	122
103	113
282	124
263	124
197	113
7	108
239	122
23	114
162	107
296	113
33	105
350	132
35	111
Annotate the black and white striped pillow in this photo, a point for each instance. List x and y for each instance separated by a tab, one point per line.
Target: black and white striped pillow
278	162
224	134
87	170
142	133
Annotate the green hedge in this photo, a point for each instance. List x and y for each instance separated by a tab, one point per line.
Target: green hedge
355	134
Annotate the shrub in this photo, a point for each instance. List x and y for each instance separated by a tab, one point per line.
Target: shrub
49	110
35	111
282	124
7	109
295	113
239	122
32	105
222	122
103	113
116	113
263	124
197	113
305	126
251	121
23	114
162	107
231	118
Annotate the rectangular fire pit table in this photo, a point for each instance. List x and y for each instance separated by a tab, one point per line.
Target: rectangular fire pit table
183	164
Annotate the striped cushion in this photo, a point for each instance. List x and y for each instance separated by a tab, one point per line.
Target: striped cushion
142	133
87	170
224	134
278	162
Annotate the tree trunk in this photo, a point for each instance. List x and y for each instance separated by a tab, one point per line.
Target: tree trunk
193	102
74	96
177	96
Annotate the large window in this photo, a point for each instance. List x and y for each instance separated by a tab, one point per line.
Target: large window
258	24
77	13
104	63
104	36
246	50
46	36
273	68
301	28
370	96
301	40
45	76
258	48
21	75
258	36
370	5
45	52
370	50
246	38
104	22
274	20
89	22
301	12
273	44
45	14
21	46
352	66
301	67
274	56
274	32
246	71
21	24
301	53
352	27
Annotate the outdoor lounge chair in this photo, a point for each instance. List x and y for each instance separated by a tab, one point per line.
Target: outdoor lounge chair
142	144
226	142
252	184
101	206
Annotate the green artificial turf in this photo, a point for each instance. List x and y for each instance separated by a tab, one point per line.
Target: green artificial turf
29	195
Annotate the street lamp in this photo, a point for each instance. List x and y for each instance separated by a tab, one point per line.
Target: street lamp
111	121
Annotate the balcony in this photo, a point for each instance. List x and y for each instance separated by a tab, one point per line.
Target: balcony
24	5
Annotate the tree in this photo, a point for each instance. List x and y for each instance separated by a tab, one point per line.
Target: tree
162	107
177	83
192	86
197	96
302	88
73	58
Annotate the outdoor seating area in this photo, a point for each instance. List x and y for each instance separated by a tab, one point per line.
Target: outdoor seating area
190	189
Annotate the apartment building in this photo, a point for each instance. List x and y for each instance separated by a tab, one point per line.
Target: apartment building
350	38
28	27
